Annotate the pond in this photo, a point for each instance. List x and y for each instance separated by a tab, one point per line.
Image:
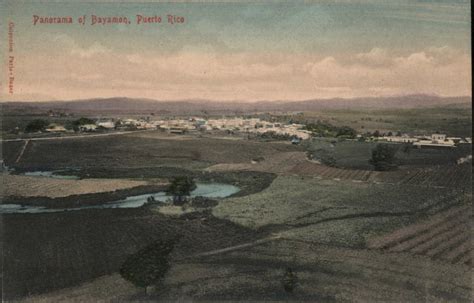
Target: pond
208	190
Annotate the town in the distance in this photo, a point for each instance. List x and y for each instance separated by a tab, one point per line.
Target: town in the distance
248	127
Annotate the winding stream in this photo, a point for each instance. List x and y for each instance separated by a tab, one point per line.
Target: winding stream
208	190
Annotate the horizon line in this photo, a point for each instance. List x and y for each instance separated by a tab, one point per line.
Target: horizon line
236	100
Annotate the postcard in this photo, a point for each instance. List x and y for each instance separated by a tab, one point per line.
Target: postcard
314	151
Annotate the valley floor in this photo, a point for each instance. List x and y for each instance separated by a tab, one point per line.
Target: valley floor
350	235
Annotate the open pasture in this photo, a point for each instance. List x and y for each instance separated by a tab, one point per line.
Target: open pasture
342	212
352	154
136	151
455	120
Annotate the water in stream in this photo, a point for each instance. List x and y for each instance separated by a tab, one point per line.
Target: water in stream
209	190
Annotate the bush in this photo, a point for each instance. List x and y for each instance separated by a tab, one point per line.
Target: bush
149	265
271	135
81	121
36	125
383	157
325	157
323	129
289	280
407	148
346	132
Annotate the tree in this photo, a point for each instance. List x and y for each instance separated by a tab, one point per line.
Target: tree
289	280
407	148
346	132
376	134
81	121
36	125
181	187
383	157
149	265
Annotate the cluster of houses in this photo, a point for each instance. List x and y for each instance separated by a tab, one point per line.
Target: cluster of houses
180	126
105	125
251	125
435	140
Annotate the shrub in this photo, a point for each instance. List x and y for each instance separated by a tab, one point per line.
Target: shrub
383	157
346	132
289	280
149	265
36	125
323	129
81	121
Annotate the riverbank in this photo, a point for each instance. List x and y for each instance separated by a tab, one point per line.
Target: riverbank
29	186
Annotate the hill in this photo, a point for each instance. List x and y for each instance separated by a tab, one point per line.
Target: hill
120	105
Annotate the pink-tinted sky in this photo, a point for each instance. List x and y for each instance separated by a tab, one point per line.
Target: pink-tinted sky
240	51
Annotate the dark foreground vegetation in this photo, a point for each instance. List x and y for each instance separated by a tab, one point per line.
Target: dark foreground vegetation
44	252
149	265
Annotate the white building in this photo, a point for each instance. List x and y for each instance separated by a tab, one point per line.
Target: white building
436	138
400	139
55	128
106	124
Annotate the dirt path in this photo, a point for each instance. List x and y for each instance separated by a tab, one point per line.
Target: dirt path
80	136
236	247
22	151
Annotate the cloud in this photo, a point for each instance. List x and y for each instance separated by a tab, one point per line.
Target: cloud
90	51
95	71
376	56
64	42
434	71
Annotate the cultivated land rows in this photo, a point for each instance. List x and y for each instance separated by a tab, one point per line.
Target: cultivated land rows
331	272
445	236
295	163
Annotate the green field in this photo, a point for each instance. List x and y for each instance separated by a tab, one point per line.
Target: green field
328	211
453	120
153	149
356	155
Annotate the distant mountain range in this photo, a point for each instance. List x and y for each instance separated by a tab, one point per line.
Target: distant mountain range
121	105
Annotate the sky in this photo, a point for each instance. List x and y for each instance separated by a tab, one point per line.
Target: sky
236	50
